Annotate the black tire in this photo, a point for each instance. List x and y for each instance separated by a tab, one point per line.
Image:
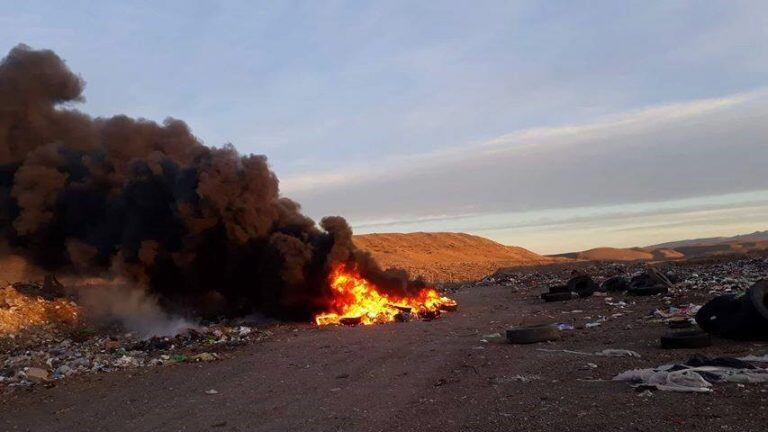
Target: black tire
754	313
533	334
559	289
679	324
757	295
615	284
718	314
582	285
560	296
648	291
686	339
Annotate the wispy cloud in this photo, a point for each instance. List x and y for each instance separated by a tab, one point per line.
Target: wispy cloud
681	128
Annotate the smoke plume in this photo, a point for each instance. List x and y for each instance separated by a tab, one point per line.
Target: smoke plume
203	229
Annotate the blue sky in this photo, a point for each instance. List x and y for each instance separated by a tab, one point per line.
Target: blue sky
512	120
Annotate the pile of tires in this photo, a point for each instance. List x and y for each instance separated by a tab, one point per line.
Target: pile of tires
578	286
741	316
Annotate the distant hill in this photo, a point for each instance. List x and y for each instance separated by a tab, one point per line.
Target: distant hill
683	249
757	236
618	254
445	256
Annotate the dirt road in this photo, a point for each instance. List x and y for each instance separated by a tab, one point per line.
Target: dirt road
419	376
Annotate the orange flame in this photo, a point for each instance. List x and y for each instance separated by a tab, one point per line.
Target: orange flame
356	300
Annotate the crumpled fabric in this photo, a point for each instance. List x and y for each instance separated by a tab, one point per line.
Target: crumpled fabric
664	379
693	379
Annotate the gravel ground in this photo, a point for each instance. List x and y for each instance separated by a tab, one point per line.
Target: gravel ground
437	375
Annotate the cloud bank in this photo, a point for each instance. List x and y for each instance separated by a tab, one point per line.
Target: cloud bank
700	148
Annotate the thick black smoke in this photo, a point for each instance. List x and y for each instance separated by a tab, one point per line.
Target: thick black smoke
205	229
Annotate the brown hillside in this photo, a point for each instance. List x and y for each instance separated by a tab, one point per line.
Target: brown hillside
610	254
620	254
445	256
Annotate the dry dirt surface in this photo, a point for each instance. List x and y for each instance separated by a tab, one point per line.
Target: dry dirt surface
445	257
417	376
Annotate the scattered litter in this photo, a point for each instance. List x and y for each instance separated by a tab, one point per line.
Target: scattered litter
211	392
516	378
618	353
696	376
603	353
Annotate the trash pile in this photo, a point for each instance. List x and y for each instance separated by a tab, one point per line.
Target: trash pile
22	306
45	354
721	277
648	282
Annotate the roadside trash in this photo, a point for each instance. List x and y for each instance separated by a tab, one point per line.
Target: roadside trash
533	334
516	378
204	357
617	353
666	379
686	339
565	326
687	311
697	375
645	393
493	337
211	392
737	316
603	353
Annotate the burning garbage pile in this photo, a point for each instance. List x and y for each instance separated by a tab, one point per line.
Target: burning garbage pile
357	300
203	231
145	220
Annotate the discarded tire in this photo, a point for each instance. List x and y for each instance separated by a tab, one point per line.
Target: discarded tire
582	285
533	334
648	291
686	339
559	289
615	284
754	313
679	323
556	296
719	314
757	296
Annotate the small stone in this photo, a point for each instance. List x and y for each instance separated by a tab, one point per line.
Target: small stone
37	375
204	357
